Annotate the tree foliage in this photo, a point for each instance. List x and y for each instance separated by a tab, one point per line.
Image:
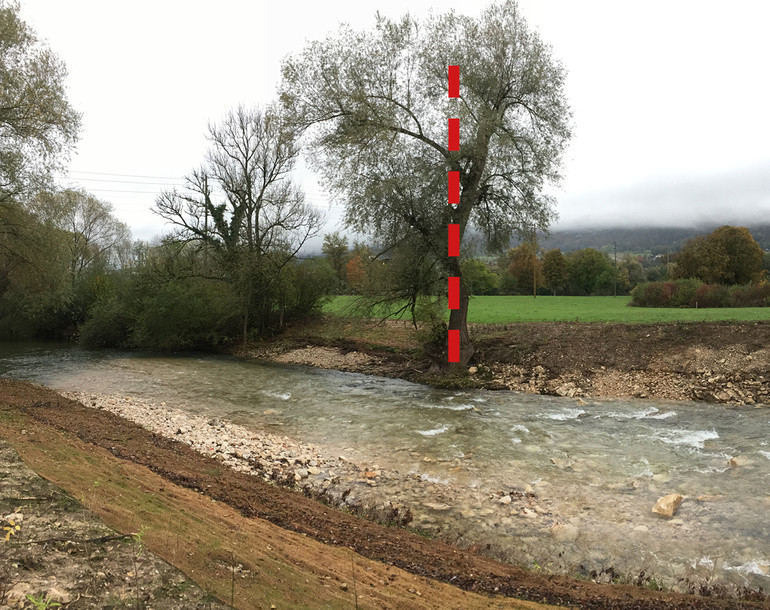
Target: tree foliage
728	255
37	124
479	278
335	249
524	269
375	108
554	270
589	272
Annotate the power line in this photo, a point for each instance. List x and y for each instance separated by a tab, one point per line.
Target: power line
127	181
126	175
124	191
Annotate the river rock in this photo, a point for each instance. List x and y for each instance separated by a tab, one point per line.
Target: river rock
709	497
505	500
561	463
739	460
668	505
436	506
567	390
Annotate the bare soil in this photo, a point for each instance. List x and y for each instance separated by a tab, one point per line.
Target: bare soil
60	551
292	550
716	362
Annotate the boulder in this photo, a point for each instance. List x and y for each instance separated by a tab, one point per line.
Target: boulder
668	505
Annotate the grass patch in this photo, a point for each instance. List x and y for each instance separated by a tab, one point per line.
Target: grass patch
511	309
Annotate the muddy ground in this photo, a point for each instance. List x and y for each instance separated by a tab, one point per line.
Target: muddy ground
396	568
715	362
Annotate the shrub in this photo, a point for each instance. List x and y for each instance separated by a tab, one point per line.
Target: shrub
693	293
753	295
187	314
685	291
653	294
711	295
108	324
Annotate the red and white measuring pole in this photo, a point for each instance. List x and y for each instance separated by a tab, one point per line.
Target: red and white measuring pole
453	230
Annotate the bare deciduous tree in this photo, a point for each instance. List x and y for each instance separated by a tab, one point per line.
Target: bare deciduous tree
242	207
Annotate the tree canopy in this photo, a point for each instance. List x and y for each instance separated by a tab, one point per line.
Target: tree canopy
374	106
37	124
728	255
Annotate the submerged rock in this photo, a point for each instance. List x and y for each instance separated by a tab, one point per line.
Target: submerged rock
668	505
739	460
436	506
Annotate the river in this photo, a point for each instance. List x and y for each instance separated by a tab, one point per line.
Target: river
596	468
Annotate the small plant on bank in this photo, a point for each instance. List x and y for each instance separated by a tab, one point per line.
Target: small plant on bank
42	602
11	529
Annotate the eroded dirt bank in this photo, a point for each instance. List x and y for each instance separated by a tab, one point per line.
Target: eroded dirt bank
57	421
715	362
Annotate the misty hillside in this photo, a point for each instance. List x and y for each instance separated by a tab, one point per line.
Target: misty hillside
639	240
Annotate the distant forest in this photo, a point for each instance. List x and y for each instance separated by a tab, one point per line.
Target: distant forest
638	240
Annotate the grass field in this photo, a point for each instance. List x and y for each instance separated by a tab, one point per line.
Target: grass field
507	309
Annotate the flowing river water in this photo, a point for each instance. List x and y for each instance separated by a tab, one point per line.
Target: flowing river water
596	468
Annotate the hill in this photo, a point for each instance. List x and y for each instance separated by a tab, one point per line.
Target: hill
638	240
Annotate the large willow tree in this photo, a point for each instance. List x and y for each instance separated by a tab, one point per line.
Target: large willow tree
374	106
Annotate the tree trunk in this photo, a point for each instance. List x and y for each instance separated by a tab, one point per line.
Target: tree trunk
458	320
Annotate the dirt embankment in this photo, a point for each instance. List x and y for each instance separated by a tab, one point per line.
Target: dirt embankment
263	545
716	362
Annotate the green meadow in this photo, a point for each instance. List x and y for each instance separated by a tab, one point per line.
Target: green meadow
508	309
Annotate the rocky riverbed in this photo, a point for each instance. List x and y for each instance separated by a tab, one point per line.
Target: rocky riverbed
345	480
520	523
469	516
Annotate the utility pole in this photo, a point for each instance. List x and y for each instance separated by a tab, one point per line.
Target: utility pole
615	245
534	262
206	200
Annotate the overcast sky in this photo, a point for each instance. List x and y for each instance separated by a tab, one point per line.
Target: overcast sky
670	98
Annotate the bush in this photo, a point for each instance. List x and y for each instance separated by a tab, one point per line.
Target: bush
685	292
711	295
753	295
653	294
187	314
693	293
108	324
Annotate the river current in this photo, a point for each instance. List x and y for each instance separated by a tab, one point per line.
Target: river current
595	467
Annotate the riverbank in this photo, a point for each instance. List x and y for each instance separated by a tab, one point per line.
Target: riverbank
726	363
45	427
